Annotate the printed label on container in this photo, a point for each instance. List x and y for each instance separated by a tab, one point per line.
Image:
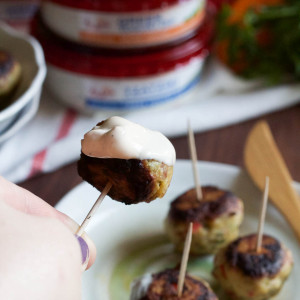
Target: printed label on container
18	14
90	93
125	29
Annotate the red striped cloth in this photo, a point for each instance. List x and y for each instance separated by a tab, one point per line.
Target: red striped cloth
66	124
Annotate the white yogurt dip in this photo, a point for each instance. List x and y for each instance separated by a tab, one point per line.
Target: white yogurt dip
119	138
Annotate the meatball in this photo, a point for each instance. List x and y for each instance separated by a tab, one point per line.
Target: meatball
10	73
133	180
163	286
138	162
216	219
249	275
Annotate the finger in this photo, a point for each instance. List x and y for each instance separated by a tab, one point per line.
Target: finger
25	201
73	226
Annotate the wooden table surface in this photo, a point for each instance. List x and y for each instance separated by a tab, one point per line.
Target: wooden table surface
223	145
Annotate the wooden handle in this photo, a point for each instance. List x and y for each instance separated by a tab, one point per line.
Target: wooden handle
262	158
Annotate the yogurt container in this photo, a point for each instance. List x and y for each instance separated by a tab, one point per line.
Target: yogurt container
91	79
123	24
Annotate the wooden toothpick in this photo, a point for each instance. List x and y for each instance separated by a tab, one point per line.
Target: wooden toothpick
93	209
193	155
262	216
184	259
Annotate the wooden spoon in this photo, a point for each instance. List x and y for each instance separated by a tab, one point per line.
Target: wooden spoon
262	158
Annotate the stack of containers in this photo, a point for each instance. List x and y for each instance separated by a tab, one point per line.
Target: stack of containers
123	54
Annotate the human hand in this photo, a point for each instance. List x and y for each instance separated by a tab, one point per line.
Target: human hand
40	257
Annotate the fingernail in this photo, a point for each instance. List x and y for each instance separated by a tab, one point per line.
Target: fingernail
85	253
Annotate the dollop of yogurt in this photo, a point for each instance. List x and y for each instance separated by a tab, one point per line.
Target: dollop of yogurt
117	137
140	286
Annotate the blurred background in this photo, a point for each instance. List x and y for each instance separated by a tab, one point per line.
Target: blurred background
223	66
66	65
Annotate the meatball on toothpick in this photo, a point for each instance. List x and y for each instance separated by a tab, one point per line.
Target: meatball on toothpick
253	267
216	215
163	286
172	284
246	274
216	219
137	161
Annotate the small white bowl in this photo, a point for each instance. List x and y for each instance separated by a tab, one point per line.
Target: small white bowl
29	53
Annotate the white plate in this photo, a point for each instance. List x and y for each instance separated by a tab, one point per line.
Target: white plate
130	239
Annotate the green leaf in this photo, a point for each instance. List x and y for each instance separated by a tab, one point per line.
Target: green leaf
273	57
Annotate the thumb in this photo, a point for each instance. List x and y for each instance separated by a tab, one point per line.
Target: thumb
23	200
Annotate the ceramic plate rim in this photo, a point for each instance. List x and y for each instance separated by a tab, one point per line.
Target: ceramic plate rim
67	205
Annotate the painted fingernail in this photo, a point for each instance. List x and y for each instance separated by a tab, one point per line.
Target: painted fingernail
84	251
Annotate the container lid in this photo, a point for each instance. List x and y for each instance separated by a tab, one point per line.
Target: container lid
118	5
122	63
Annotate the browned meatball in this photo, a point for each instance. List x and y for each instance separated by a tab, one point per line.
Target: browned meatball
216	219
133	180
250	275
10	72
163	286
